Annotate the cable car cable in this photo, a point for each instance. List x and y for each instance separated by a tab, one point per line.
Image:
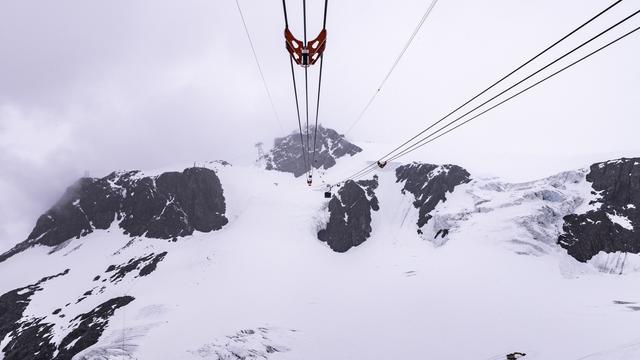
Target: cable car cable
295	91
425	15
306	99
393	67
516	94
499	81
520	92
496	83
528	77
507	99
306	82
284	8
315	131
255	56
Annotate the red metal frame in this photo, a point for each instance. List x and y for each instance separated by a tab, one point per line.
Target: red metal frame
309	55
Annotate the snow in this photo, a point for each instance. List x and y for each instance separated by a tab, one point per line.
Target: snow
70	345
628	351
3	343
621	220
497	283
616	263
246	344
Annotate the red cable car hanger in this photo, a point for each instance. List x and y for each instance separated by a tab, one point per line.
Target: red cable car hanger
305	53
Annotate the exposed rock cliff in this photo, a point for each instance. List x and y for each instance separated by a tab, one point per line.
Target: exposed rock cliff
167	206
350	215
610	225
430	184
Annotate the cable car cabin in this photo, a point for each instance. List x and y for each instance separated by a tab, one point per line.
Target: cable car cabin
515	356
327	194
382	164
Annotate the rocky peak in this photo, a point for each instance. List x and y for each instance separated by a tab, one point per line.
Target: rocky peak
286	154
167	206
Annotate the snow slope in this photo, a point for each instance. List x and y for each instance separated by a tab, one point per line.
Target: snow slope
264	287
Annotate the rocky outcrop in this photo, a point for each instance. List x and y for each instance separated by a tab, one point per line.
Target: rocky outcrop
167	206
144	265
349	222
286	154
31	338
12	307
610	226
89	327
429	185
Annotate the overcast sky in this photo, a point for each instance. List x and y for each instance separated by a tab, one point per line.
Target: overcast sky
94	86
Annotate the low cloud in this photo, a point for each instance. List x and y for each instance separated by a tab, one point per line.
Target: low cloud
98	86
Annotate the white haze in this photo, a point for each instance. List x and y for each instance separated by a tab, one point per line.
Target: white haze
94	86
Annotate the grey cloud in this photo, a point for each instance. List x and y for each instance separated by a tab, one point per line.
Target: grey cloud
146	84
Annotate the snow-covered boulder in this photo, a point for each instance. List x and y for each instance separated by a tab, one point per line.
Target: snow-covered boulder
286	154
167	206
609	226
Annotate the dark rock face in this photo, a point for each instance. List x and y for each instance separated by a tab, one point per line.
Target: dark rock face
350	215
90	327
442	233
32	342
611	227
286	154
198	193
145	265
30	338
430	184
167	206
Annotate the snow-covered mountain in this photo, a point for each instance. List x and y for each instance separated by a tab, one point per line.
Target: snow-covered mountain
286	154
417	261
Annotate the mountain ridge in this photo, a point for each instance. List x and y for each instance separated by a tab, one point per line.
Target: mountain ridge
118	291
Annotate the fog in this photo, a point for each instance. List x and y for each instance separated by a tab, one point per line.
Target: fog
95	86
